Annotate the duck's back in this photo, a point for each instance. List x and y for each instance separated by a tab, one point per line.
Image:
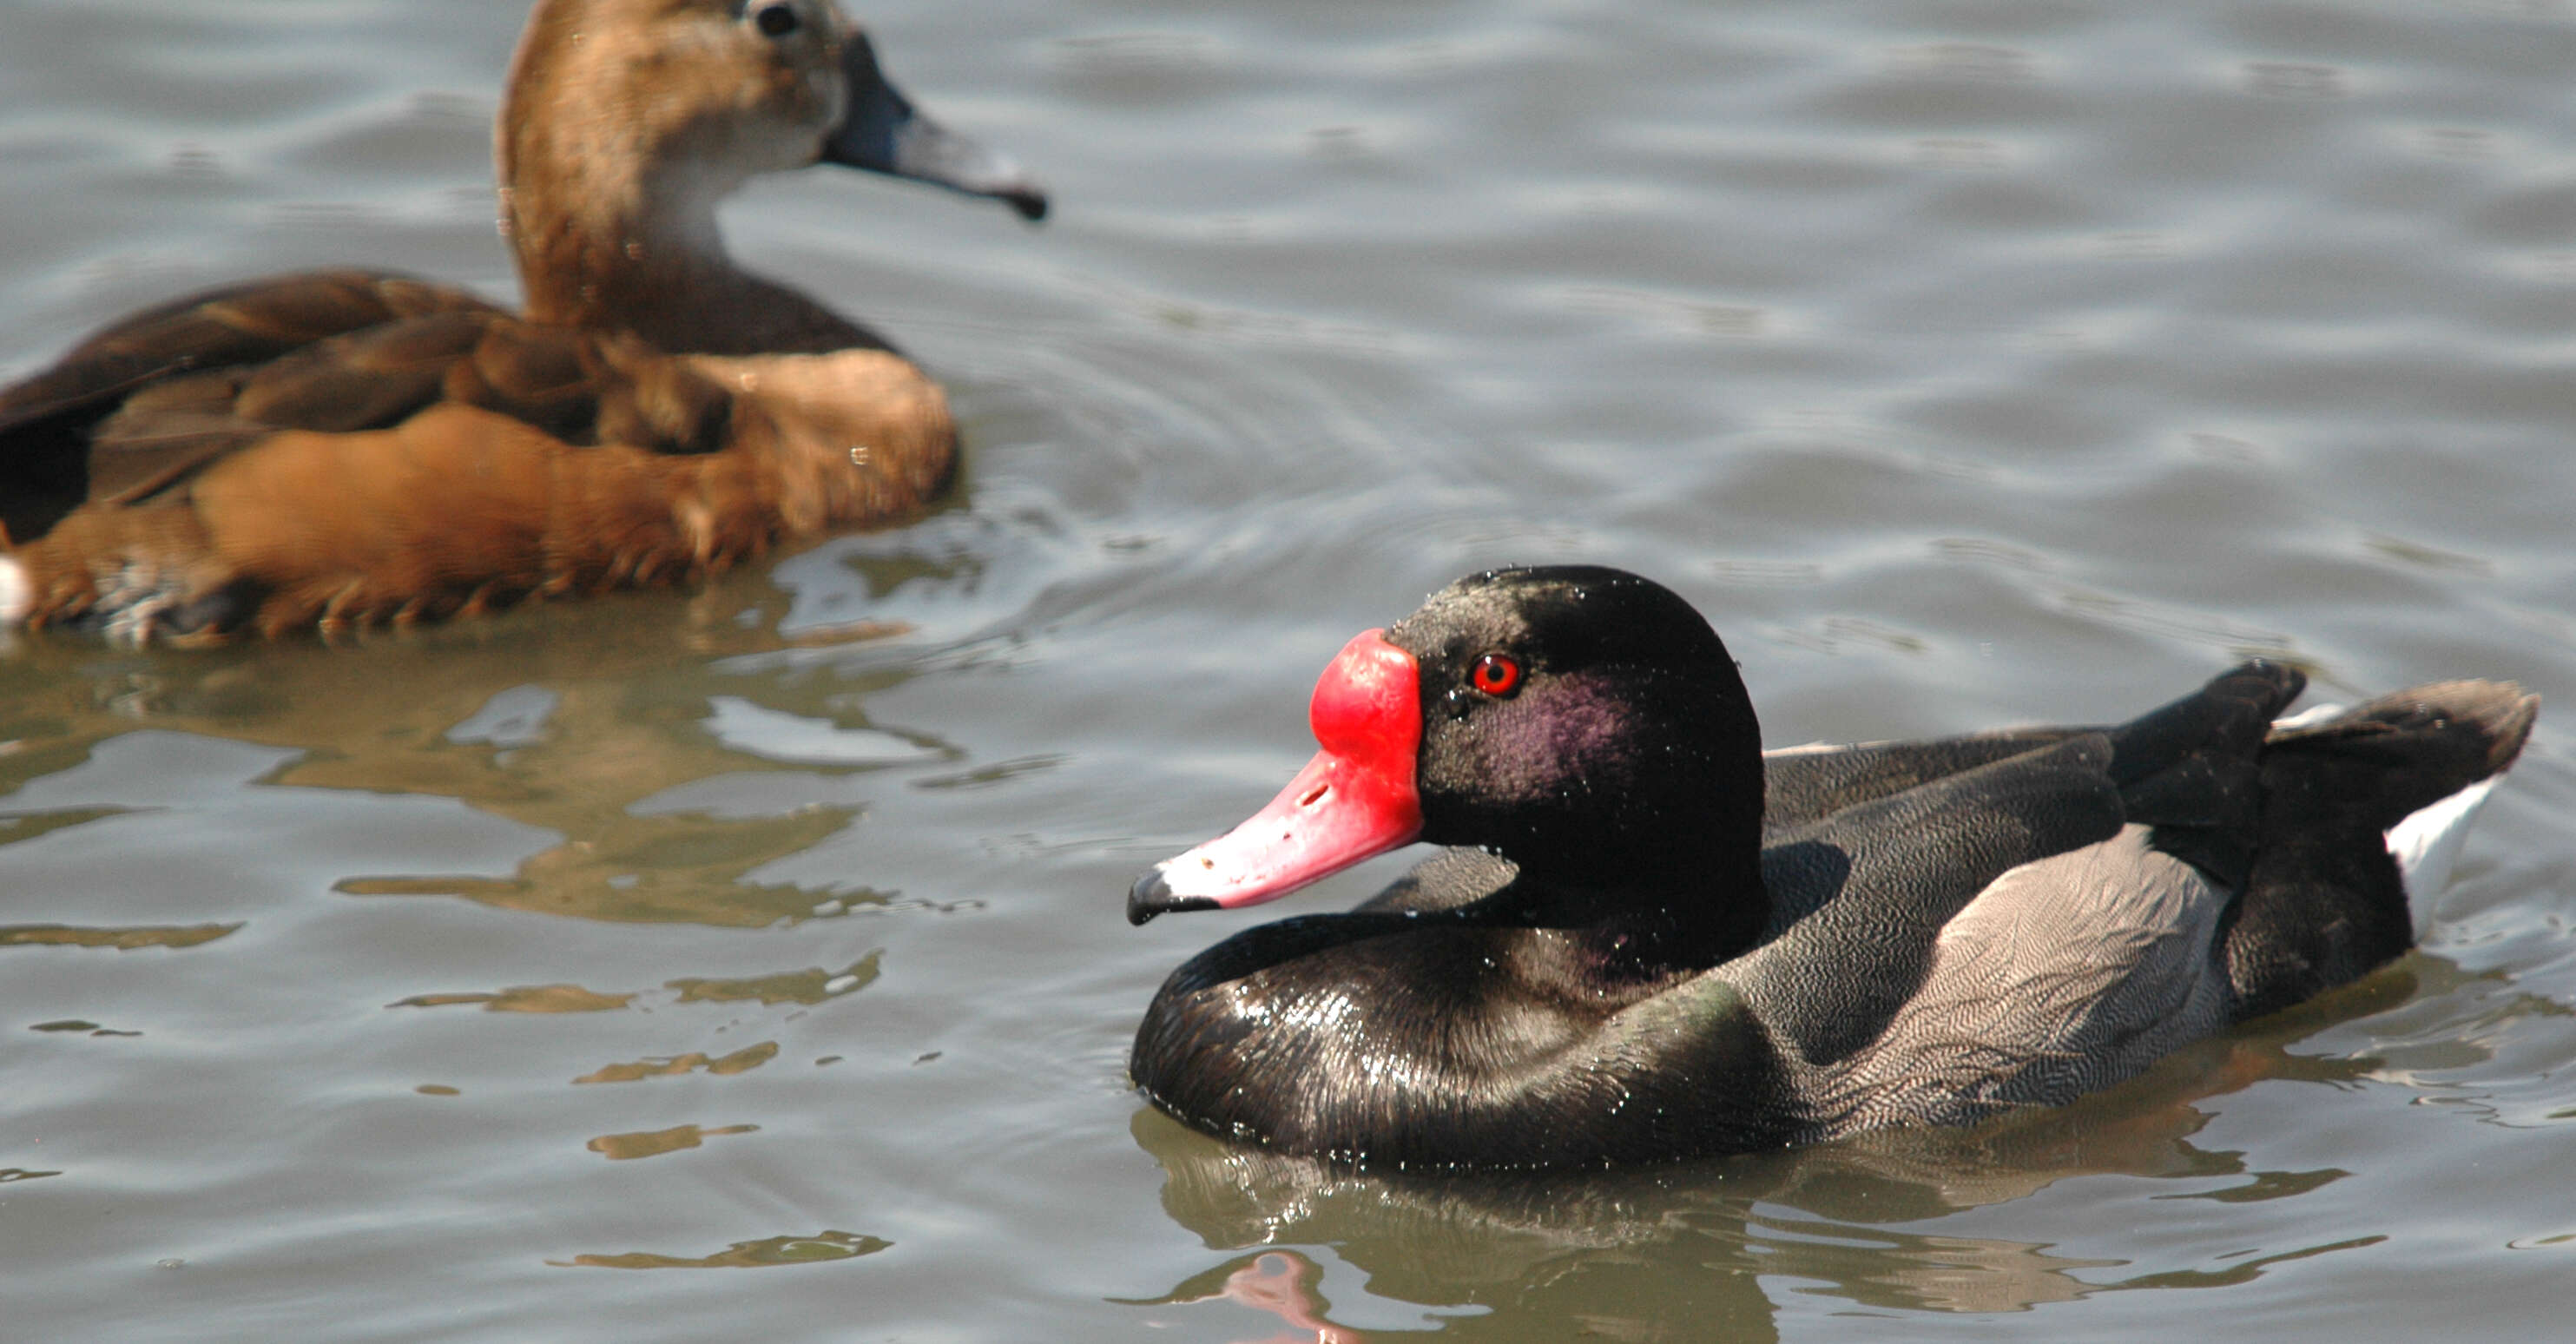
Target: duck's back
2237	878
350	446
50	451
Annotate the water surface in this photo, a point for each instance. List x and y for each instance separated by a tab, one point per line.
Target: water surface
749	962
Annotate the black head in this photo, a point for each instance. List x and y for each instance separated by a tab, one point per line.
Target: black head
1584	722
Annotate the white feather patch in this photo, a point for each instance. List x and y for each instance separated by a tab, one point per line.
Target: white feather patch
15	597
2427	843
2309	717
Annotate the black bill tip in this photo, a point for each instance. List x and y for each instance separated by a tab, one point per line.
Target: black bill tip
1152	896
1029	202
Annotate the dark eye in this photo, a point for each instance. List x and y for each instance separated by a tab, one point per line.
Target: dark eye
777	20
1497	674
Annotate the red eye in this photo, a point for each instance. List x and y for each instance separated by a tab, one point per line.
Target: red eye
1497	674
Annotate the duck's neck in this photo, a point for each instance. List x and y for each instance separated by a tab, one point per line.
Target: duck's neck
1690	906
1663	855
613	226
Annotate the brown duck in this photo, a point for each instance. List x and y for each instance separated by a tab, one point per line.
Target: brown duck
342	448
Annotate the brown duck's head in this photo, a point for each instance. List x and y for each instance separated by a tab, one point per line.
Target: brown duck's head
626	121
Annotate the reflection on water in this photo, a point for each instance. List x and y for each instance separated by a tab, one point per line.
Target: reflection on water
124	940
766	1253
626	1147
555	721
740	1061
528	999
1275	1283
810	986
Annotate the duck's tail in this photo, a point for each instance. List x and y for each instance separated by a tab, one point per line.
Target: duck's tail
2364	811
